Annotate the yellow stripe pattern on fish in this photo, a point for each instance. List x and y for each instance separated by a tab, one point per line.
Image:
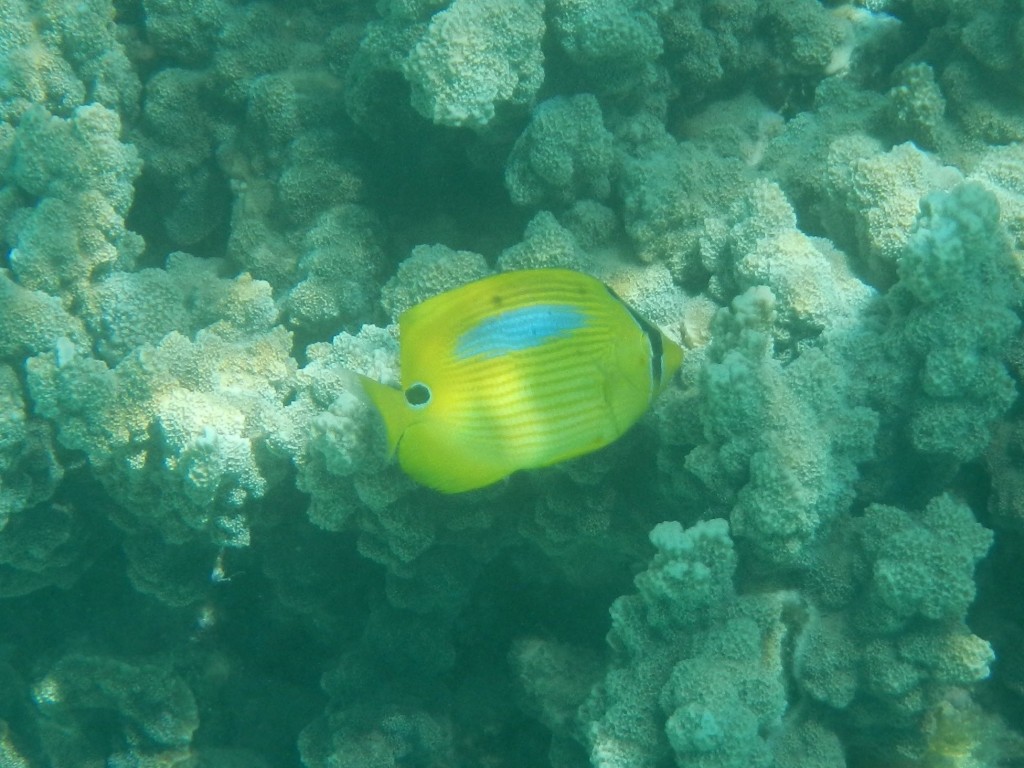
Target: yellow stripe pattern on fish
518	370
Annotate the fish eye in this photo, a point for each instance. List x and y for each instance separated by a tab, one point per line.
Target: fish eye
418	395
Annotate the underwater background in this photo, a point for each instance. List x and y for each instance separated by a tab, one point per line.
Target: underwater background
807	554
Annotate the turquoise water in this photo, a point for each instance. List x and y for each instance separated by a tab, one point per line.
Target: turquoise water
807	553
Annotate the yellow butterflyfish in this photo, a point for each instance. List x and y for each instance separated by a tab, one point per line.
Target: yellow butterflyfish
518	370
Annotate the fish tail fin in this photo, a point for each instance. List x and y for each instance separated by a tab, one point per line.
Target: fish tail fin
390	403
672	359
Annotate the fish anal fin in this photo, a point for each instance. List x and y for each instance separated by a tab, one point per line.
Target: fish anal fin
448	462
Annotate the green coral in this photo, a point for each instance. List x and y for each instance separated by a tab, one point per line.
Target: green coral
918	106
75	179
186	454
475	58
152	709
892	641
814	287
874	200
781	442
922	568
564	154
429	270
176	403
613	42
696	670
962	286
63	54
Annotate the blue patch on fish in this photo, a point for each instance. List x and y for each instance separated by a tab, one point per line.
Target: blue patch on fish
519	329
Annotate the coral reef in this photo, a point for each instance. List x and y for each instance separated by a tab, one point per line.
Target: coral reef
806	555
